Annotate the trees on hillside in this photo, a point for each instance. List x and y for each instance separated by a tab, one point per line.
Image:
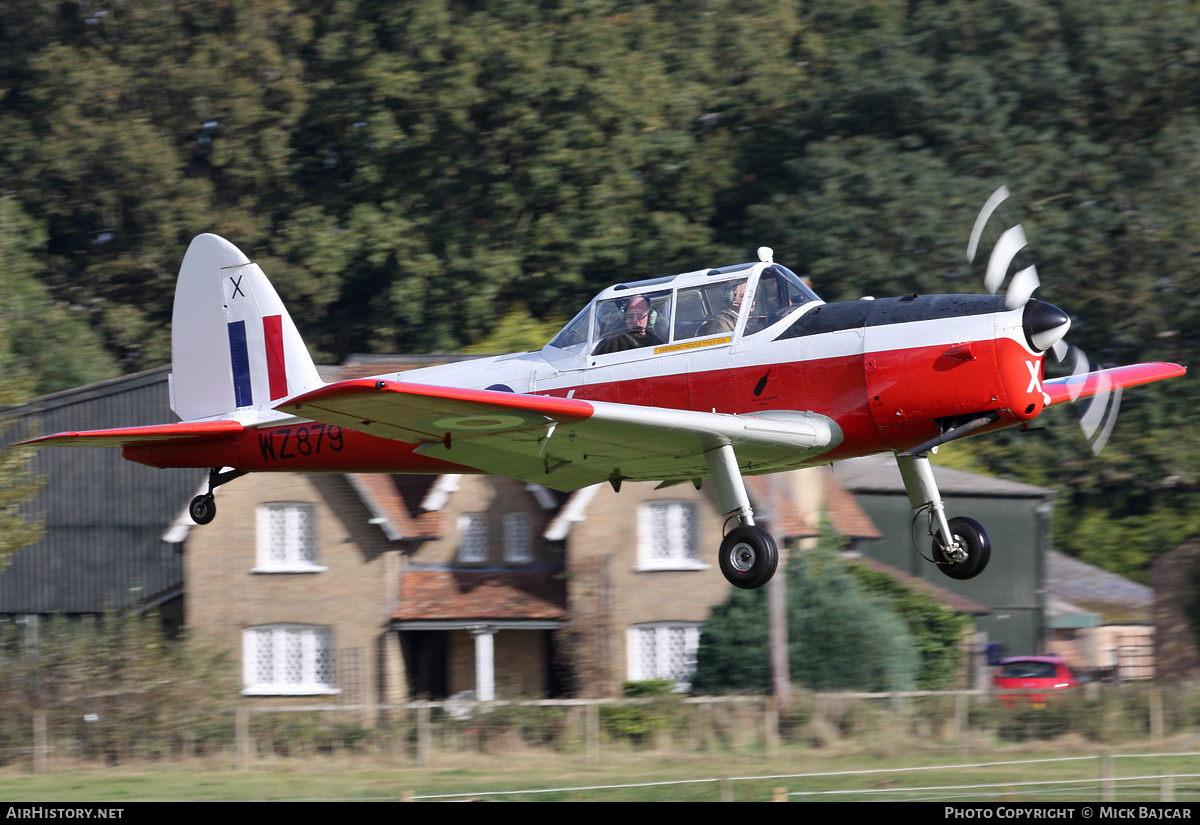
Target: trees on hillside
410	174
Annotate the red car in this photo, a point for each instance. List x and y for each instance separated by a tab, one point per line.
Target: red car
1042	673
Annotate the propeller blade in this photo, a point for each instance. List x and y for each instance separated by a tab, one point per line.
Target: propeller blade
998	197
1093	415
1021	287
1044	327
1100	415
1010	243
1110	421
1080	367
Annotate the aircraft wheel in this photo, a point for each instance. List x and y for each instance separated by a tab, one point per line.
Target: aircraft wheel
977	544
203	509
748	557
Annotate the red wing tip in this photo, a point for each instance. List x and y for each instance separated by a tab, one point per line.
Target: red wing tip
155	433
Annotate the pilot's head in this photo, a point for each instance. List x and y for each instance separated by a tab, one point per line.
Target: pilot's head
637	313
734	295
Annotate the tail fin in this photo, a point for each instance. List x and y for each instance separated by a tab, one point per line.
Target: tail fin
233	345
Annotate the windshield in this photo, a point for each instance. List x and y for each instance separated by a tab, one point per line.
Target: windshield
779	292
1028	670
574	336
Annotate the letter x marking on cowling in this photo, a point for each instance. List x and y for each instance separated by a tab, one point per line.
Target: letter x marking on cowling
1035	384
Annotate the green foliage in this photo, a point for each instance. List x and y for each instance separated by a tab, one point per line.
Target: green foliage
45	345
116	688
433	175
734	648
840	636
18	486
938	631
517	331
659	709
648	687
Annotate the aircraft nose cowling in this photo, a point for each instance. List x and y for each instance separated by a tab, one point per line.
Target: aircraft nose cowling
1045	324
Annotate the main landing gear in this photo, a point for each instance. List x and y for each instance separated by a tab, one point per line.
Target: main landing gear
203	508
961	547
748	555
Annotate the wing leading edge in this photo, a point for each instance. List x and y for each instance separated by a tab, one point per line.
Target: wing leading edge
1074	387
565	443
188	432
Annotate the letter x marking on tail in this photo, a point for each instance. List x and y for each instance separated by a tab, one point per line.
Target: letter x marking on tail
1035	384
237	287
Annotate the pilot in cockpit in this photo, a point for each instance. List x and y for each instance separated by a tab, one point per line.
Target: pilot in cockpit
635	331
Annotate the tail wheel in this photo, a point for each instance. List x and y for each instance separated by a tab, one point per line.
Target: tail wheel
973	540
749	557
203	509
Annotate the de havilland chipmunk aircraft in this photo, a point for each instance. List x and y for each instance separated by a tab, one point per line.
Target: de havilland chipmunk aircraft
718	373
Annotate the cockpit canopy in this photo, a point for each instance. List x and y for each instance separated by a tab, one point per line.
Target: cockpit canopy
710	306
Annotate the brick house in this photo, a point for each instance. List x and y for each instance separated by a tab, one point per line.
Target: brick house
377	588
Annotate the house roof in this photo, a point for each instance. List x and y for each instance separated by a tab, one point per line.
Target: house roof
456	595
393	505
880	474
779	509
1075	587
844	515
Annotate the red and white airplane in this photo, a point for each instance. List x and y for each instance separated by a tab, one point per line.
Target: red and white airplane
717	373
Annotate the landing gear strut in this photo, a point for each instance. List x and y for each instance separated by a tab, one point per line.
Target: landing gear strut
203	508
748	555
961	547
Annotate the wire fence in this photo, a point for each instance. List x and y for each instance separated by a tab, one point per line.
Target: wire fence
1095	778
117	729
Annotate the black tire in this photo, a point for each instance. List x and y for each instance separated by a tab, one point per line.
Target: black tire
978	546
203	509
748	557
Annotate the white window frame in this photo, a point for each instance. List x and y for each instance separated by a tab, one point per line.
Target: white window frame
518	538
269	670
472	525
293	556
649	648
667	537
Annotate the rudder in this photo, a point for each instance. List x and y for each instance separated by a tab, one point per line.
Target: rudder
233	345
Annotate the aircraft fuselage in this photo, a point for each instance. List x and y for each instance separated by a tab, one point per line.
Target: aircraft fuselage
892	373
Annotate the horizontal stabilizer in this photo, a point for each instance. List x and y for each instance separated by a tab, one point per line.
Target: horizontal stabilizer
132	436
1074	387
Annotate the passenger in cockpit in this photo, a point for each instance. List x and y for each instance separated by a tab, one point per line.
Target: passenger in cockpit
726	319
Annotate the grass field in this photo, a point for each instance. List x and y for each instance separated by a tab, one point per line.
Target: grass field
710	776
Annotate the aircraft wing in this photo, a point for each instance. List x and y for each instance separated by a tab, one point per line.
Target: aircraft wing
1074	387
131	436
564	443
